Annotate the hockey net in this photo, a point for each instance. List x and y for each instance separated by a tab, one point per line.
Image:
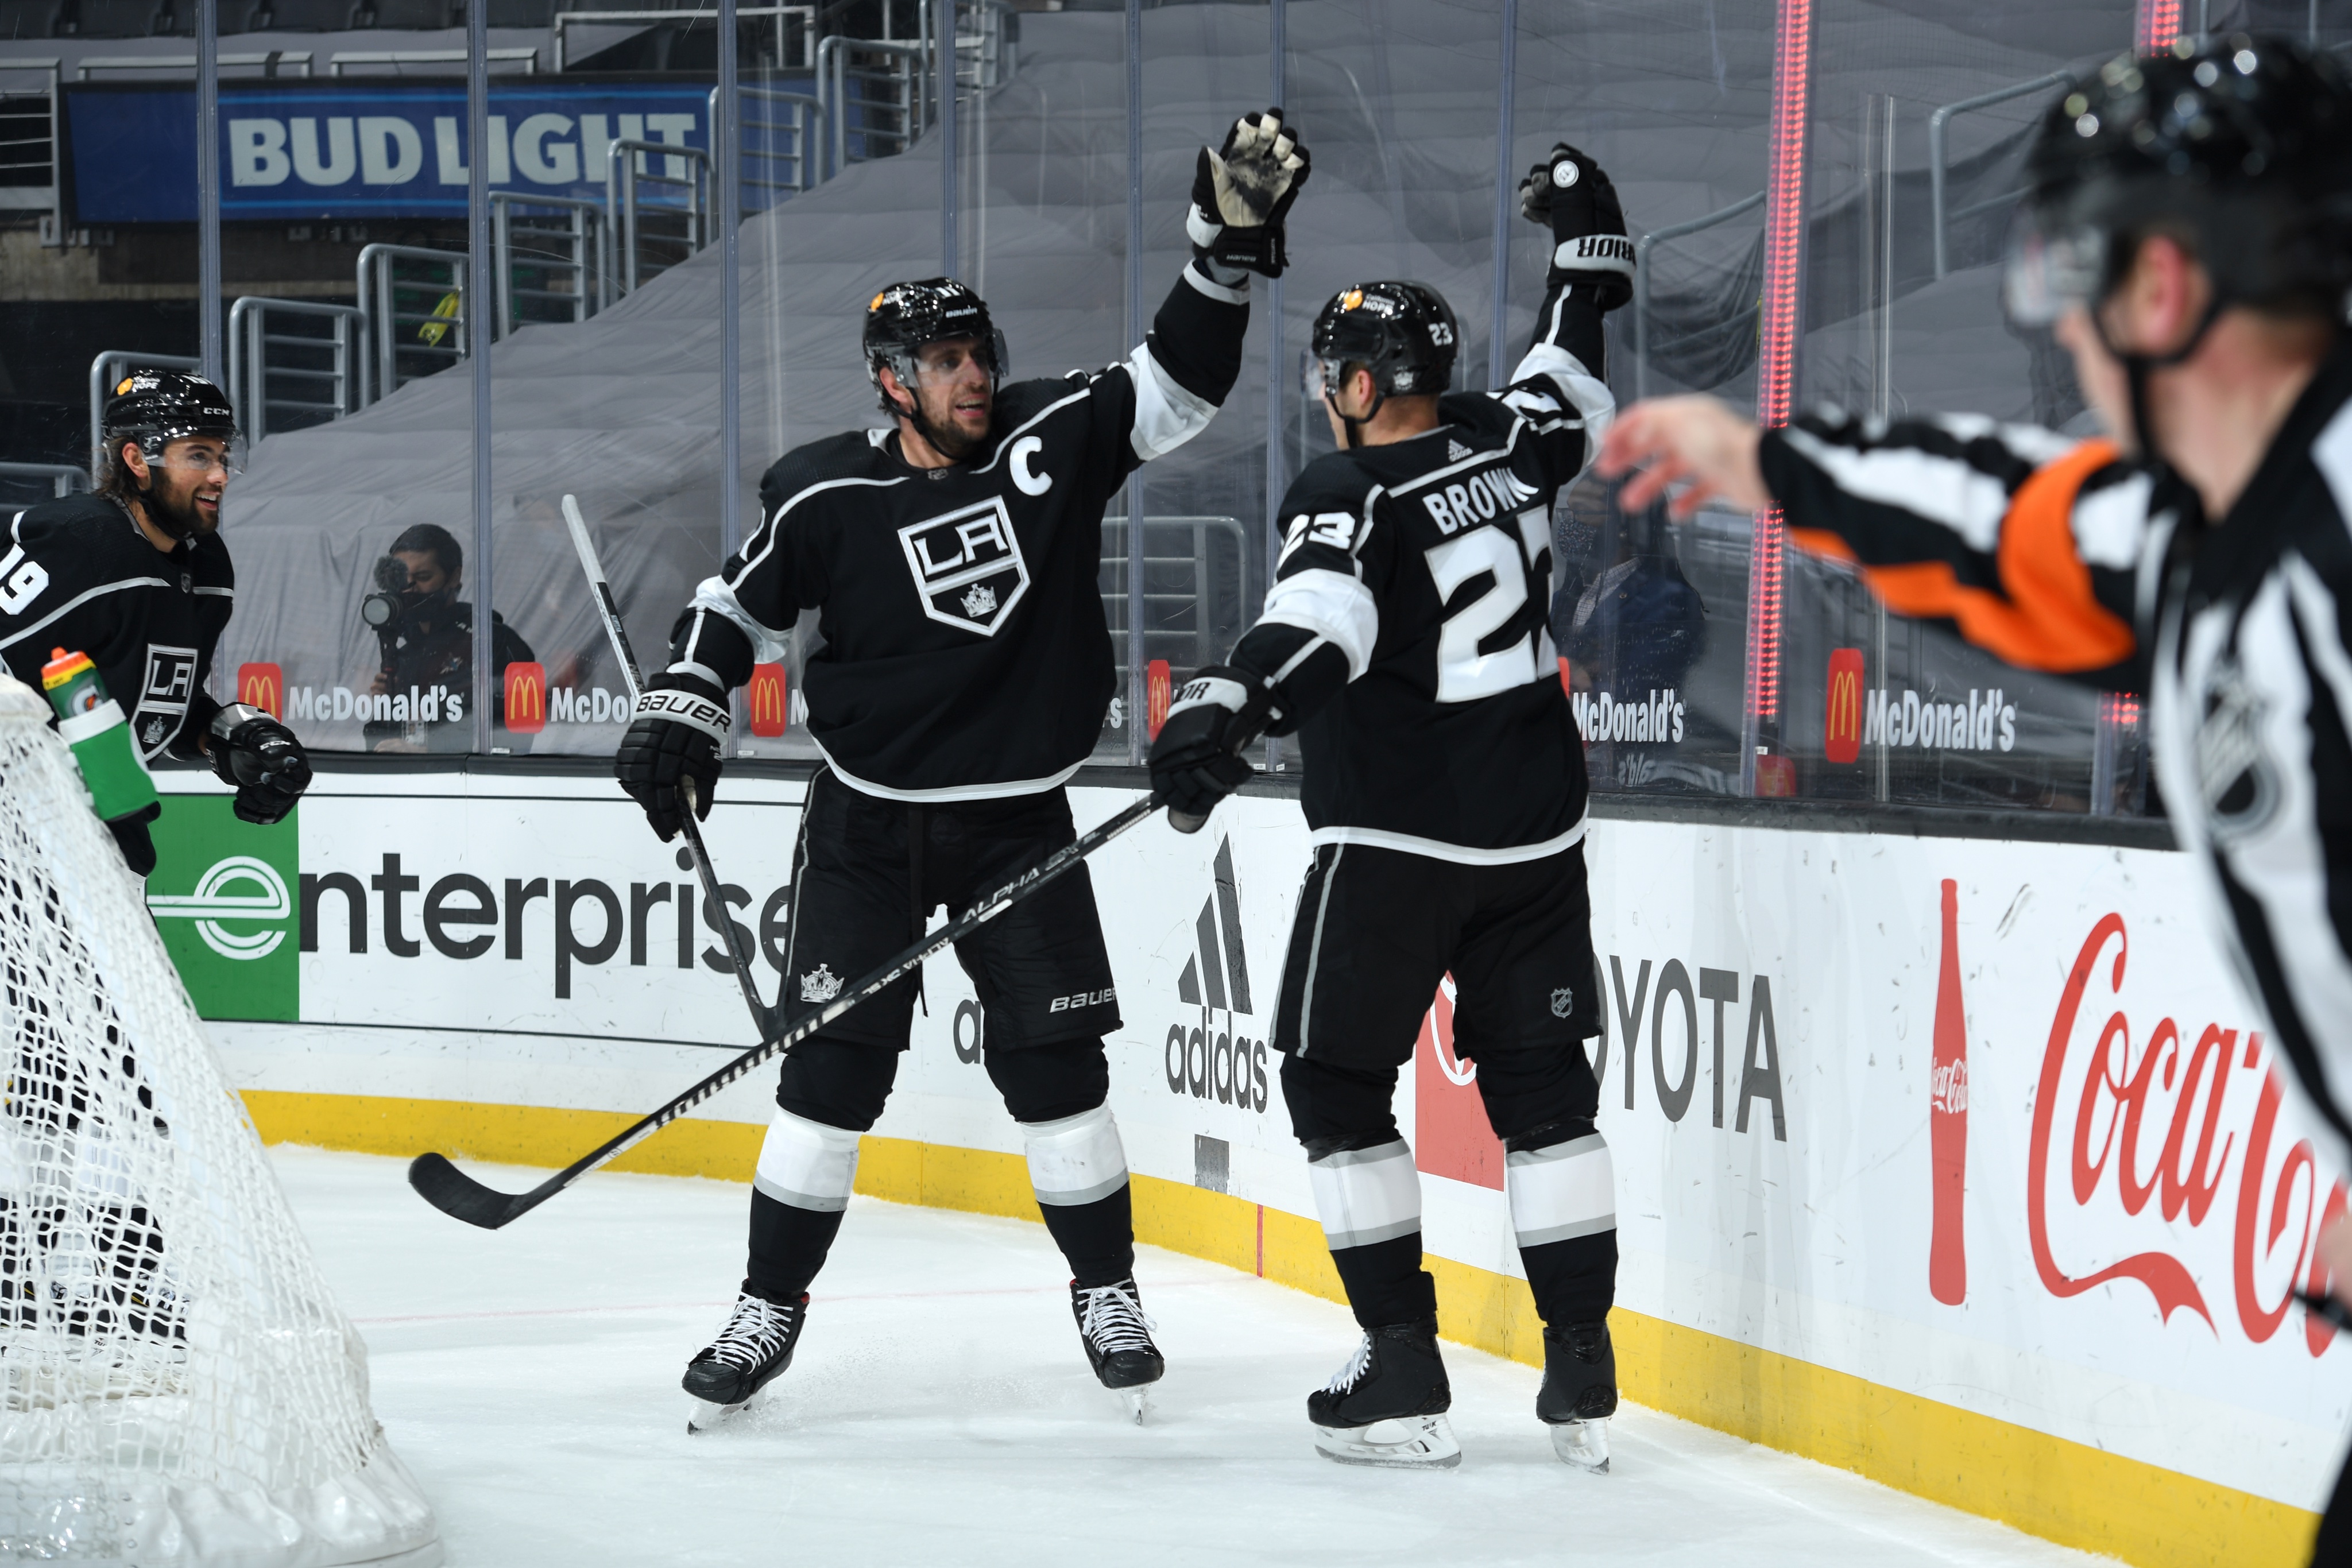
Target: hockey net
177	1385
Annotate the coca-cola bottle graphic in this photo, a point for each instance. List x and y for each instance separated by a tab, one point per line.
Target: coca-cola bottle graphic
1947	1118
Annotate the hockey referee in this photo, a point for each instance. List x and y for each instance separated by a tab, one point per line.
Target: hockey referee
2189	235
135	576
964	675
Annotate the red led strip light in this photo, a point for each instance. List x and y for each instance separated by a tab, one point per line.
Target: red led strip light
2159	25
1776	368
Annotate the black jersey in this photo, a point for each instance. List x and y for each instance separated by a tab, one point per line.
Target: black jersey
2056	555
78	574
1426	565
966	655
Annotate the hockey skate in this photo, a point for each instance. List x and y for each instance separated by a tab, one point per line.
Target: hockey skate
1579	1394
1117	1338
751	1351
1387	1407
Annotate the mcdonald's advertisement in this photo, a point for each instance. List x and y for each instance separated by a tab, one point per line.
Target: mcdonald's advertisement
1986	1124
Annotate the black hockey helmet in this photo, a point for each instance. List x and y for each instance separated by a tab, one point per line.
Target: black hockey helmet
905	316
155	407
1403	333
2241	145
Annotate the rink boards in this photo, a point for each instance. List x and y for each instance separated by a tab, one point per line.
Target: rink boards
2001	1206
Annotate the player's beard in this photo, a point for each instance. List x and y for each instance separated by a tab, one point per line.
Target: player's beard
176	513
946	438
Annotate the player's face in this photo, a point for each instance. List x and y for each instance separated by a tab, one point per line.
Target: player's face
187	479
952	381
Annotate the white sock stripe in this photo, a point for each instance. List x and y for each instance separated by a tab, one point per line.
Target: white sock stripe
1364	1195
807	1165
1564	1190
1077	1159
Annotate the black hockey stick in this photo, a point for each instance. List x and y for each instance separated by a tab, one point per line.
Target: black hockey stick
454	1192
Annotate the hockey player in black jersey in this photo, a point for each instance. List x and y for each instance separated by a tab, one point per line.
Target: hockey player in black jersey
1405	641
2189	235
964	675
135	575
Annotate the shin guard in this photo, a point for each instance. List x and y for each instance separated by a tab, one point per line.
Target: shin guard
1370	1203
1077	1168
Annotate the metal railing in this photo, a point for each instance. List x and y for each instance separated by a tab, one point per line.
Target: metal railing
271	63
443	334
105	370
1176	552
625	215
903	112
762	165
1641	249
63	478
783	15
332	384
31	147
572	246
1938	131
527	58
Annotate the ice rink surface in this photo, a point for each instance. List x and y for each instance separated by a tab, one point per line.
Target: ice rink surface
941	1410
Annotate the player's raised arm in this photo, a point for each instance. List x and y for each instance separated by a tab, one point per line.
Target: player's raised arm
1561	387
2027	542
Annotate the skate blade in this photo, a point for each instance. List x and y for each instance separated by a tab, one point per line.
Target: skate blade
703	1415
1136	1402
1583	1444
1408	1443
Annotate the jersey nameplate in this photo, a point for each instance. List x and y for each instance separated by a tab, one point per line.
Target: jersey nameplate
164	696
967	566
1479	498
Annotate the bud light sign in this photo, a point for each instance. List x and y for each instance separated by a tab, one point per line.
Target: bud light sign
335	150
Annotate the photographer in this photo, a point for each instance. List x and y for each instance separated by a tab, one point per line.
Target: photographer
426	634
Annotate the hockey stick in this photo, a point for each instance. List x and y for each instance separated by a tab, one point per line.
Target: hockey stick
762	1018
460	1196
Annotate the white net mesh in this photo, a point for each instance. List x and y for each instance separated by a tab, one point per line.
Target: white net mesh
176	1384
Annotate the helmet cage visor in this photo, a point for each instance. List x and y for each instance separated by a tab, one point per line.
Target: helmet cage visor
208	447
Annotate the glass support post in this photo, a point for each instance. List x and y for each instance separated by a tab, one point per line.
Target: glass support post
1276	469
1137	705
727	210
479	291
945	34
208	194
1498	363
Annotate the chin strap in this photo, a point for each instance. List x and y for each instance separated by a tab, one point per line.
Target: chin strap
1356	425
2138	367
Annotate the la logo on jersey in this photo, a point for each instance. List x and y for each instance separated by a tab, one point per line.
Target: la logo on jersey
164	695
968	566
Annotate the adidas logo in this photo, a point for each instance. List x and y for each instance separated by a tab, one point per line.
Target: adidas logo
1456	452
1199	1060
1219	963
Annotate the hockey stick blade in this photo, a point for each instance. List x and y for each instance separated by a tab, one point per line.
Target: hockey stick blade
454	1192
460	1196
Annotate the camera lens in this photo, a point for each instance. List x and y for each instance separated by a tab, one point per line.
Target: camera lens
380	610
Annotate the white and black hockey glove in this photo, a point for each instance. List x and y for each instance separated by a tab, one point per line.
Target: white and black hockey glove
1196	762
1242	192
260	759
676	731
1569	192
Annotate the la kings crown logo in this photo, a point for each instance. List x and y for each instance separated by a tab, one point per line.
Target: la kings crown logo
1205	1063
967	565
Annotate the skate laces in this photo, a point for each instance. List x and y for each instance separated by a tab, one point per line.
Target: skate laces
1344	1380
756	1331
1114	1318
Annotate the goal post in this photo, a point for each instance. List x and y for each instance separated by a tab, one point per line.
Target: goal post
177	1385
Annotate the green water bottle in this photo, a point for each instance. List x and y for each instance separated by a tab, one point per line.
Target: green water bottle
92	724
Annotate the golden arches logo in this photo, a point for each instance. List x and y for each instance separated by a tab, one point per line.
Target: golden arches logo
263	686
525	691
1841	719
765	699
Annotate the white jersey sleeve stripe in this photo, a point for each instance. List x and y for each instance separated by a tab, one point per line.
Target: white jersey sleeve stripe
1166	415
1585	392
717	598
2111	524
1332	605
1945	491
82	599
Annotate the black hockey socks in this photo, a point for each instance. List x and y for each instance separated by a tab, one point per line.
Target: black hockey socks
1563	1210
798	1193
1077	1168
1370	1203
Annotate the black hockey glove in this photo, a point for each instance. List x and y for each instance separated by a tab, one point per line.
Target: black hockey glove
138	848
1242	193
677	732
1196	762
1569	192
261	761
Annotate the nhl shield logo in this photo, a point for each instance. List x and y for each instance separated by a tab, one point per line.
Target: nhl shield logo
967	566
1563	1002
